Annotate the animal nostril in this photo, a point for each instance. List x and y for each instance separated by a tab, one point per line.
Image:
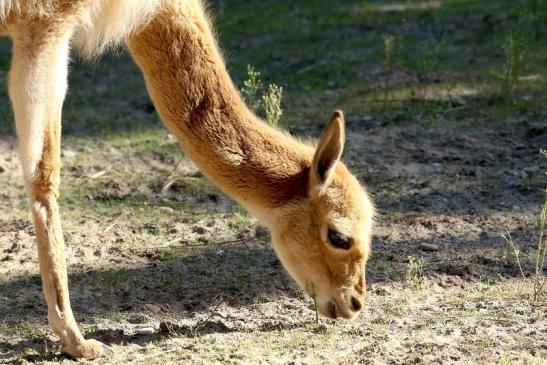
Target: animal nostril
356	304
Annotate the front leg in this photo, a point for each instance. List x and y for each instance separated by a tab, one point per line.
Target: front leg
37	86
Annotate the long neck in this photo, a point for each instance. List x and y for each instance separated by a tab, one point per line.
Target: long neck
187	80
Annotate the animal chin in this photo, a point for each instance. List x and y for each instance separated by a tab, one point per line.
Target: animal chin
330	310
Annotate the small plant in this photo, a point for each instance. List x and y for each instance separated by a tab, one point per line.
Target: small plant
485	342
415	273
524	31
311	292
515	251
251	87
241	219
269	104
531	11
389	43
514	56
539	278
429	63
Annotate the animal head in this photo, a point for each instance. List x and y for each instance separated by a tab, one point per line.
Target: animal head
323	239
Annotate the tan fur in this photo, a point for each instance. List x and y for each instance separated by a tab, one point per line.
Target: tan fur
298	191
98	24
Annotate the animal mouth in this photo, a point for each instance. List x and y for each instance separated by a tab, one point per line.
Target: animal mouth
333	309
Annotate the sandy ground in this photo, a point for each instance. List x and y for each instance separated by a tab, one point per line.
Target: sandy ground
213	290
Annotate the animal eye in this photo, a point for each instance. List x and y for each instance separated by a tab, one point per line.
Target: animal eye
338	240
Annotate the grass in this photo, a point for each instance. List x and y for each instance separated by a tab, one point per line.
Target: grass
539	277
389	41
408	55
415	273
524	31
539	289
269	103
311	293
251	88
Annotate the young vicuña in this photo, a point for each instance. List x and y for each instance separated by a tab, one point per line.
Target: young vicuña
319	215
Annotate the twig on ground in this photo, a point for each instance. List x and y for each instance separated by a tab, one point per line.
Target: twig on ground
168	181
219	243
170	242
98	174
202	323
109	227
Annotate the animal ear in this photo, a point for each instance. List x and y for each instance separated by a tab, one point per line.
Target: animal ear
328	152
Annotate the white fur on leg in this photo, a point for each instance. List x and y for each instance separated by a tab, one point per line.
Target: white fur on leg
36	85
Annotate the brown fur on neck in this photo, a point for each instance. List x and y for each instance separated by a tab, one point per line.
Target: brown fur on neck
254	163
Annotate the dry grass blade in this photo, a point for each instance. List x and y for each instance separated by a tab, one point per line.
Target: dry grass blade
97	175
515	250
311	292
109	227
540	279
204	322
169	180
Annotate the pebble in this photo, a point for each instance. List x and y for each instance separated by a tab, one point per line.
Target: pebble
138	319
382	233
147	331
152	308
68	153
429	247
167	209
199	229
166	327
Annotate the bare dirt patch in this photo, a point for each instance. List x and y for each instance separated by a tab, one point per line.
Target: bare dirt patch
200	288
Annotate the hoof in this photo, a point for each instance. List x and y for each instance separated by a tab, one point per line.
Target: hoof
88	349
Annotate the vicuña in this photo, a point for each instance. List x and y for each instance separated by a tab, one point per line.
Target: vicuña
319	216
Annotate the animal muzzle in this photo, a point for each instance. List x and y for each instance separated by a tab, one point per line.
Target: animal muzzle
346	306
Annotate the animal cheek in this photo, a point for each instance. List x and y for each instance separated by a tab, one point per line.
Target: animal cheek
358	256
338	273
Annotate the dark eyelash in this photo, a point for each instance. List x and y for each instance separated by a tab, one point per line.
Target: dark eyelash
338	240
